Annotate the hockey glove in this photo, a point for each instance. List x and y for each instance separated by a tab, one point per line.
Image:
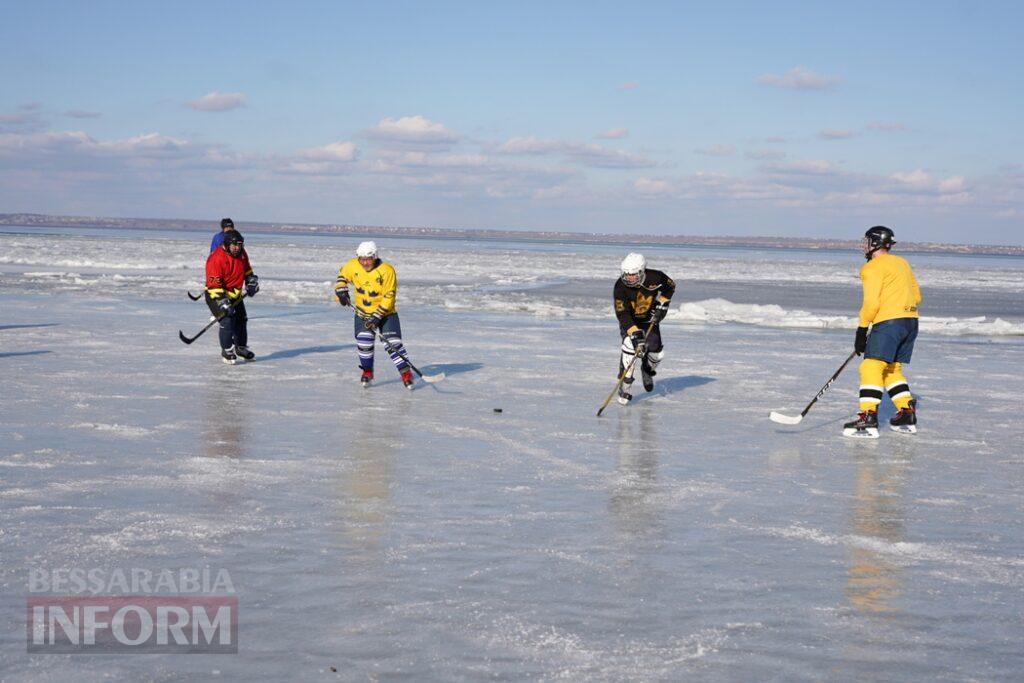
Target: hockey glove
252	285
639	338
224	304
660	310
373	322
860	342
344	298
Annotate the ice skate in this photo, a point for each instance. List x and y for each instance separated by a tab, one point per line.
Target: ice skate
905	420
864	427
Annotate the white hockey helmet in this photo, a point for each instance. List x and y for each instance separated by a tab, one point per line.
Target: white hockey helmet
633	267
367	250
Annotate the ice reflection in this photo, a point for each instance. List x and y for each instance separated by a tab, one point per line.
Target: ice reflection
224	416
636	509
874	581
365	484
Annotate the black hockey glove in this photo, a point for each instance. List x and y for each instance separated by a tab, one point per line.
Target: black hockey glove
224	304
373	322
639	338
252	285
344	298
860	342
660	311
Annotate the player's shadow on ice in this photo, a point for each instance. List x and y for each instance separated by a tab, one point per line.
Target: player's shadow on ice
22	327
292	353
450	368
10	354
670	385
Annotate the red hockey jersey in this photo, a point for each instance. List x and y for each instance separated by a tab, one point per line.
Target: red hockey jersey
225	274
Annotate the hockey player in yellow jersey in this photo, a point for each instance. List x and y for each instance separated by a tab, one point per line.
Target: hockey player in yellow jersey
369	286
891	298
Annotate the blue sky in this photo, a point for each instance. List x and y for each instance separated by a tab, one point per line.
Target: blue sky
720	118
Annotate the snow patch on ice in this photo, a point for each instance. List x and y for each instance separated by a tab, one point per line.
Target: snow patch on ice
720	311
124	431
992	569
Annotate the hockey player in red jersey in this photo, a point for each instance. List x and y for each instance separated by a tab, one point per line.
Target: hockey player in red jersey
228	274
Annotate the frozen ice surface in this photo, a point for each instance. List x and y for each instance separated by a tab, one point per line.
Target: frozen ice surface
422	536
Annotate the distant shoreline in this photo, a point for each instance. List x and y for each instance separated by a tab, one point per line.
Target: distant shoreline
51	221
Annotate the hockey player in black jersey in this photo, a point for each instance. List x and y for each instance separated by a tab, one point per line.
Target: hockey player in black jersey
641	297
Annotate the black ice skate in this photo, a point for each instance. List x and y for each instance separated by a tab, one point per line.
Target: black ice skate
244	353
647	374
905	420
228	356
864	427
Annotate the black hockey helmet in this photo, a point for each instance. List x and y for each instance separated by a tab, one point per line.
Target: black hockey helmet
233	237
227	223
879	237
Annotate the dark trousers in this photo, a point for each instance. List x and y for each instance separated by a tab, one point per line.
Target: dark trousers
233	327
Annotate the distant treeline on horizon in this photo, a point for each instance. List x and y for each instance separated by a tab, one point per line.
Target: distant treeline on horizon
44	220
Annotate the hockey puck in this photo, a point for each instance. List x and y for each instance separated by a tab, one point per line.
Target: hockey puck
497	410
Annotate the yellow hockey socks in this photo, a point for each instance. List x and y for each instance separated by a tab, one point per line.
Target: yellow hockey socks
896	384
871	383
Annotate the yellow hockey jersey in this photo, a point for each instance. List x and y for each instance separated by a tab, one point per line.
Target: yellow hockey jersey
890	290
374	291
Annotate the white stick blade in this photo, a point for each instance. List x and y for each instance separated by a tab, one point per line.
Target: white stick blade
430	379
785	419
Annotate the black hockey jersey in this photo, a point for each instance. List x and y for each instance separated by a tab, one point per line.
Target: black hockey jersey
633	304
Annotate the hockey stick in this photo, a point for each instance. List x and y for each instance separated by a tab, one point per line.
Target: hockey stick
188	340
639	352
790	420
429	379
193	297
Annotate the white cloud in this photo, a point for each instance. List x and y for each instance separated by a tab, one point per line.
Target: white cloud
628	85
799	78
530	145
412	129
803	167
915	178
333	159
582	153
922	181
335	151
836	134
716	151
613	134
77	142
218	101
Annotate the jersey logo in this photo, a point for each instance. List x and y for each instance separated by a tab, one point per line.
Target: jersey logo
642	303
619	306
380	280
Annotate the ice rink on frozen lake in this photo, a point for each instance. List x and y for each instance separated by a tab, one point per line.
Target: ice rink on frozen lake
395	535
